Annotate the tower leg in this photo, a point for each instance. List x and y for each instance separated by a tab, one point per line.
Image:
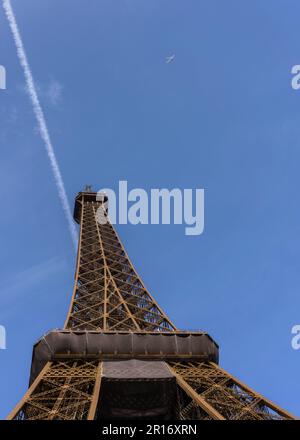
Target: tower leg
64	390
208	391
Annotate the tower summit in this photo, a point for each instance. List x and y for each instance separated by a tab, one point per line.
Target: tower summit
119	356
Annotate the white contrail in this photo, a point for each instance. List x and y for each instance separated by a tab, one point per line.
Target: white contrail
31	89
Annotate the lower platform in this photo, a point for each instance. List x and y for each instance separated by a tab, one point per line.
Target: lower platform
66	344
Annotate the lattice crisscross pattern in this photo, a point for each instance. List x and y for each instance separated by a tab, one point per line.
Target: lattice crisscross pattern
215	394
64	391
108	293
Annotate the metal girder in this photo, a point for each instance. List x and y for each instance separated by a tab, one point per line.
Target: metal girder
64	390
108	294
220	395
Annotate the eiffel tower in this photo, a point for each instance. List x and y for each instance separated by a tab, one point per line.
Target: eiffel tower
119	357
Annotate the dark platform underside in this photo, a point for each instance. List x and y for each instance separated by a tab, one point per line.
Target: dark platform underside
136	389
66	344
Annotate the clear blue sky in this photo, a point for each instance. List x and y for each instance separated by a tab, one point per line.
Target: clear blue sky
222	117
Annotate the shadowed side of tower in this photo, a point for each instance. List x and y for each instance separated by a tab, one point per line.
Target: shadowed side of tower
119	356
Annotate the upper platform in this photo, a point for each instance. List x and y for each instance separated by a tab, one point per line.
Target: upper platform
85	196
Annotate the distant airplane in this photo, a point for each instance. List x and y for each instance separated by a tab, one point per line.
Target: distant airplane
170	59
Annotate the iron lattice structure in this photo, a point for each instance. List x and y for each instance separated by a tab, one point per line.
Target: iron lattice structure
148	369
